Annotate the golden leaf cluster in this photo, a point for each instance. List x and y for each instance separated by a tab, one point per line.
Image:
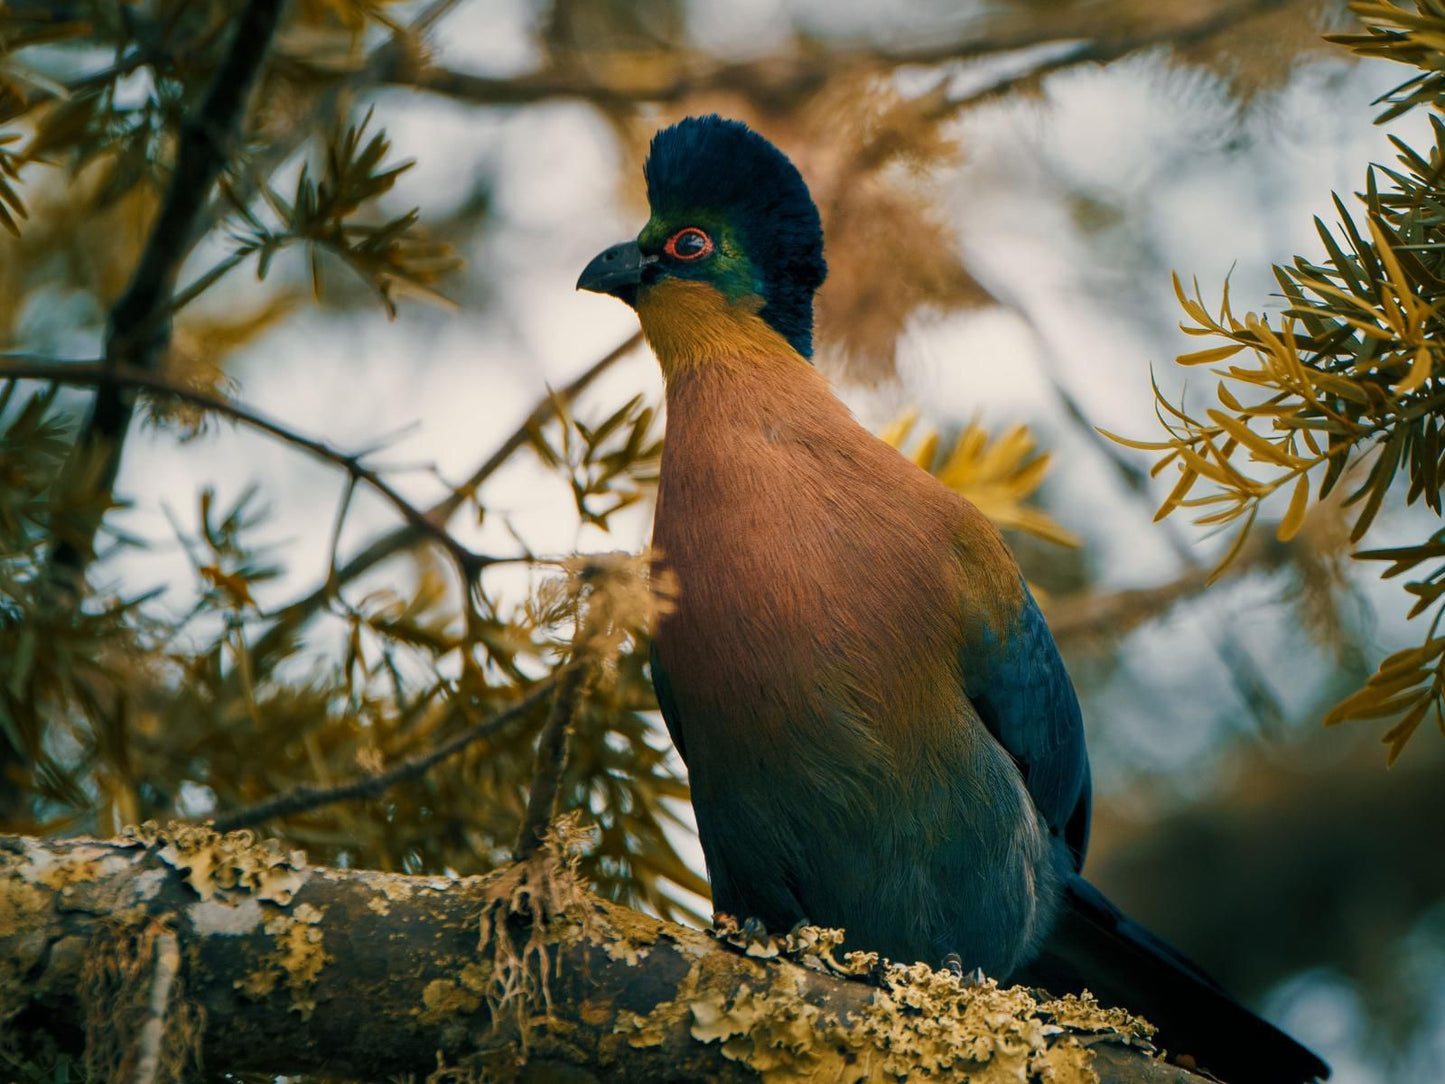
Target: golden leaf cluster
1345	386
998	474
393	256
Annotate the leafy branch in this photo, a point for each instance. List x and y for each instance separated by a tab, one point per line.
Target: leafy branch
1346	381
998	474
390	256
304	798
139	323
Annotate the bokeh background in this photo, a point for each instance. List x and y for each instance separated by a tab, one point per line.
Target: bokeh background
1006	188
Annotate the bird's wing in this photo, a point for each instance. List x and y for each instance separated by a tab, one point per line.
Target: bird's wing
1023	694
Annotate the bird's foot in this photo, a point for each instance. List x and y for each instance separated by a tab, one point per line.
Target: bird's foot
815	947
969	979
750	935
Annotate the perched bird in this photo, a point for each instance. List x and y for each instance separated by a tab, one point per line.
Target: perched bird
878	729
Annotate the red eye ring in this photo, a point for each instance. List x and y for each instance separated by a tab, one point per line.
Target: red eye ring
689	236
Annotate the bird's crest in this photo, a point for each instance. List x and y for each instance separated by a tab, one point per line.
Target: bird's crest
722	167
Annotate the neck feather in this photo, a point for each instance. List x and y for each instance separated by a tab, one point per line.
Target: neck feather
691	325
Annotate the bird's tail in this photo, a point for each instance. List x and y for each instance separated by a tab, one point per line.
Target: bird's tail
1094	946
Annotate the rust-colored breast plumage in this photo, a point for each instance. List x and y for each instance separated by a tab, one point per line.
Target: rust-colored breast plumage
810	556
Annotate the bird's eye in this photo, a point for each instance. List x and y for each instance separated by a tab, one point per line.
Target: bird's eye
689	243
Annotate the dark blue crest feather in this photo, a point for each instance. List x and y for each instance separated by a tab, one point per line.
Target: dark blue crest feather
724	167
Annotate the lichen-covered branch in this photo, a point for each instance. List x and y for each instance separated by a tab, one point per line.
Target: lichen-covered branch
288	968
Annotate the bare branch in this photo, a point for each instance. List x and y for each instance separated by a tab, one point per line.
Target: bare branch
306	798
673	77
104	375
1105	50
552	748
1111	614
404	538
140	319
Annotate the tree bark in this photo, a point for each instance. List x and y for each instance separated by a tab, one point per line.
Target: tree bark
286	968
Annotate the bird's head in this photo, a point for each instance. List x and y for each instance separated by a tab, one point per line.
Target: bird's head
734	242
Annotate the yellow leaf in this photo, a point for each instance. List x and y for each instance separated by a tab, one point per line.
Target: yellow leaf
1250	439
896	431
1295	516
1235	547
1400	733
1204	357
1420	371
1142	445
1181	489
926	450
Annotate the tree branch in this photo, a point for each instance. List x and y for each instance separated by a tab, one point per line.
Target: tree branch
139	324
1110	615
671	78
367	975
552	748
295	614
306	798
105	375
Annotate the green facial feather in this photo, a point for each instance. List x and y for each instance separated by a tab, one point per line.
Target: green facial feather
728	268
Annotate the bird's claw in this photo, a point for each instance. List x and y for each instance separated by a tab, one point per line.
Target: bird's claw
969	979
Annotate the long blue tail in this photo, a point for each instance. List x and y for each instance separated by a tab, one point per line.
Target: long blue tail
1095	947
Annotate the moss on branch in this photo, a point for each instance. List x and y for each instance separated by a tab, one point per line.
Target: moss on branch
290	968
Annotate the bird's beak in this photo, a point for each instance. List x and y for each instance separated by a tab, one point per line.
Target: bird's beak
616	271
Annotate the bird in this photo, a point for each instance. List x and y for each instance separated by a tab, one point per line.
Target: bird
879	731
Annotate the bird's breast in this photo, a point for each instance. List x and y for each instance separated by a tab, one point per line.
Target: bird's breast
817	575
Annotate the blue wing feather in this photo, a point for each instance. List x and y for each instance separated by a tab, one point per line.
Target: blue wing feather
1023	694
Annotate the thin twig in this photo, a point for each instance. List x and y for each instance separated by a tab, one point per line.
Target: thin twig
153	1032
291	616
1105	50
139	323
305	798
1109	615
783	78
552	748
102	375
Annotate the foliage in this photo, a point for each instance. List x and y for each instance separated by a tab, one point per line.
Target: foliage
114	706
1344	387
997	474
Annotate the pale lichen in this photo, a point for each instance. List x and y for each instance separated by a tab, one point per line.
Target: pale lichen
917	1024
815	947
226	867
546	890
211	918
297	961
777	1032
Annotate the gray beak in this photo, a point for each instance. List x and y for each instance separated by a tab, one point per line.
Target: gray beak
616	271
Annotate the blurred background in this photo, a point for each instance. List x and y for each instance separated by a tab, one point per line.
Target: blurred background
1006	187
